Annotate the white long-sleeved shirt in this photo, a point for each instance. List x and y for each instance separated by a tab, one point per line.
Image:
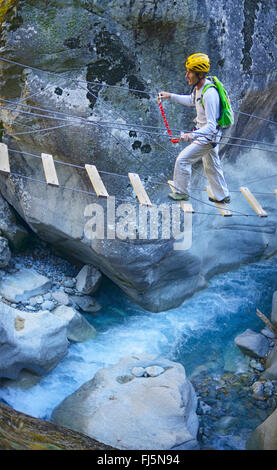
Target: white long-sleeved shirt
206	118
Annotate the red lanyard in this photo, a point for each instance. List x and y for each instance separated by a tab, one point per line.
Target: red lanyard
174	141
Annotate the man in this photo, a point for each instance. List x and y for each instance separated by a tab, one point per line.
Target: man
203	138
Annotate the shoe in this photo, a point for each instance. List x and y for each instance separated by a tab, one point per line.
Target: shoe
226	200
179	196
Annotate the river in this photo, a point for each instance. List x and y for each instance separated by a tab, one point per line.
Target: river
199	334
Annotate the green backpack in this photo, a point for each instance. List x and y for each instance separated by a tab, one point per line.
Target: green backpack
226	113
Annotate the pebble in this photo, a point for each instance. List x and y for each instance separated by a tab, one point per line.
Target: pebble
203	408
30	307
154	371
38	299
69	282
61	297
256	365
258	390
48	305
47	296
138	371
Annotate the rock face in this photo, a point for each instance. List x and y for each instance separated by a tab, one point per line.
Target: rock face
15	233
128	411
5	254
265	436
141	46
30	341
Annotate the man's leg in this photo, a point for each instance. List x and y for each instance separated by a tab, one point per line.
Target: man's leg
213	170
182	170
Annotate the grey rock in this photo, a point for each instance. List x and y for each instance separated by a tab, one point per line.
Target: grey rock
268	333
61	298
23	285
69	283
78	328
253	344
85	303
36	342
88	280
162	409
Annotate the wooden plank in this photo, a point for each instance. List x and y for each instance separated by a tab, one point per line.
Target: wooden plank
139	189
4	159
253	202
186	206
96	181
49	169
221	207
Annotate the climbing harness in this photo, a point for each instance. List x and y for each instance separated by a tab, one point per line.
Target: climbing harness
174	141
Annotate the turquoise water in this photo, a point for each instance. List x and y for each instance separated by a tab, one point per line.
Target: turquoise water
200	332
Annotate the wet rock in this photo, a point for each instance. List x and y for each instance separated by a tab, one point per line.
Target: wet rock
86	303
36	342
23	285
253	344
78	328
142	413
88	280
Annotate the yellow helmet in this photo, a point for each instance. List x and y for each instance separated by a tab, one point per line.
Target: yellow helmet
198	62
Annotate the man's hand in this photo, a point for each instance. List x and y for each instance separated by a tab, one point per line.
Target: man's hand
186	137
164	95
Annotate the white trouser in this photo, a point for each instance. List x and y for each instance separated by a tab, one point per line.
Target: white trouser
212	167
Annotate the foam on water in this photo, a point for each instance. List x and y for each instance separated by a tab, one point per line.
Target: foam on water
200	331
